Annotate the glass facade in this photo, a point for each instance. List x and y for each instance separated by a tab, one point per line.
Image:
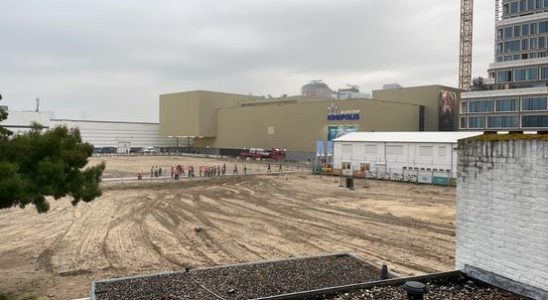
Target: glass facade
502	121
464	107
523	41
463	122
544	72
537	103
476	122
526	74
504	76
480	106
523	7
521	62
507	104
534	121
504	113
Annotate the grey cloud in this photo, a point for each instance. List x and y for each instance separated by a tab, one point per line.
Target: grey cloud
96	55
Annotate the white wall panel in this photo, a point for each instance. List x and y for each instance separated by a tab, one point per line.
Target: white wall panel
396	156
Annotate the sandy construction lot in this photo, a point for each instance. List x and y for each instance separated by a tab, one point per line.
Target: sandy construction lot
150	227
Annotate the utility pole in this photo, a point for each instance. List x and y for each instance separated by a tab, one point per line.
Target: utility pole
465	53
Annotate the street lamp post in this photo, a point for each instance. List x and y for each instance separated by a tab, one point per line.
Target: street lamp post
177	137
188	143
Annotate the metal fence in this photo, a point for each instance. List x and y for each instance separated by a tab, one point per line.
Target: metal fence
292	156
411	175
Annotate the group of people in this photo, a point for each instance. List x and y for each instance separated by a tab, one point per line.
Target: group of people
155	171
178	171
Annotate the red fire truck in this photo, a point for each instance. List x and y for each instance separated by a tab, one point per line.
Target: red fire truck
258	153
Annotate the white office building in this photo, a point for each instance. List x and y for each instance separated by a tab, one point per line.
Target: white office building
393	152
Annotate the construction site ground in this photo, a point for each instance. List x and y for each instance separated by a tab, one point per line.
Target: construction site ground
146	227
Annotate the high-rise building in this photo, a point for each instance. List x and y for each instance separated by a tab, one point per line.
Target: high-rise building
352	92
317	89
514	97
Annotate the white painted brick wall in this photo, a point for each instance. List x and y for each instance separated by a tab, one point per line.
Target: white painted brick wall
502	209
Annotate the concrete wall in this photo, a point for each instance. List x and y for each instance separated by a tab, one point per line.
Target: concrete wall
297	126
429	96
502	213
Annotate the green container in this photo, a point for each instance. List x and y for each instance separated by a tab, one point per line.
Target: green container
436	180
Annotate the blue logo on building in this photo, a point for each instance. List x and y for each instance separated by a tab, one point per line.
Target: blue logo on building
334	114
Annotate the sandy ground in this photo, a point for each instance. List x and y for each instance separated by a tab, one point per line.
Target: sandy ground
144	228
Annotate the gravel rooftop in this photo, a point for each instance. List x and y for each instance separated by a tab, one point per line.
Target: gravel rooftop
463	289
329	277
243	281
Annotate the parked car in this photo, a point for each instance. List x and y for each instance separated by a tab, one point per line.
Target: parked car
108	150
136	150
150	150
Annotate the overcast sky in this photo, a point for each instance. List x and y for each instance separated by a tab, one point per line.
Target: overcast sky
111	59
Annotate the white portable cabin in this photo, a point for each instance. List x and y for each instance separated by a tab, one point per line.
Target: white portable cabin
387	152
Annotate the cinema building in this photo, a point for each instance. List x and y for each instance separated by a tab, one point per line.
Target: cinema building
223	123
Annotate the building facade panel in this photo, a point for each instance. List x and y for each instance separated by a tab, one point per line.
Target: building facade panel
440	102
194	113
297	127
98	133
516	109
115	134
395	157
516	96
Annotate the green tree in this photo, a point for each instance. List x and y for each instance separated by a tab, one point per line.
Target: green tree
44	163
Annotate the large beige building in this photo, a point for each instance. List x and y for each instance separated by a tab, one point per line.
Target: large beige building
226	123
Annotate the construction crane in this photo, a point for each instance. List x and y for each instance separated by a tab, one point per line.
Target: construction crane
466	34
353	86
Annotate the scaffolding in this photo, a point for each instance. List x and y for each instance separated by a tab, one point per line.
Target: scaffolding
466	34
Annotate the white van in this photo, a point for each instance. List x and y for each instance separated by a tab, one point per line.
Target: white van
150	150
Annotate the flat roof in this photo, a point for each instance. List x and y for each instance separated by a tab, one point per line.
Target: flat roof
504	93
258	280
428	86
408	136
98	121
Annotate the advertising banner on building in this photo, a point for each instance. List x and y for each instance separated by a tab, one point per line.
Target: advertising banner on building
319	148
329	148
334	132
447	112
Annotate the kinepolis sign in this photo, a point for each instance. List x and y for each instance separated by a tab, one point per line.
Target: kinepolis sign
335	115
